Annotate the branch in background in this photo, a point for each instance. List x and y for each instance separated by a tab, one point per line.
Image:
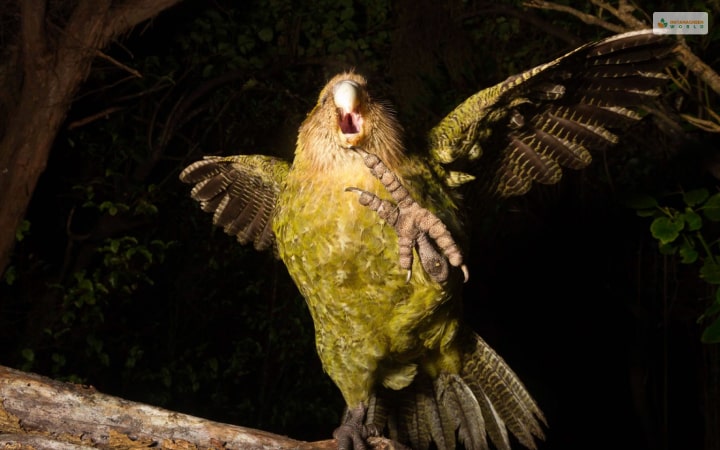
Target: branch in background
705	125
494	9
587	18
698	67
179	114
118	63
131	12
100	115
624	12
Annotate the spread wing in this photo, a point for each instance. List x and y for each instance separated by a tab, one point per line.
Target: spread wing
529	126
241	191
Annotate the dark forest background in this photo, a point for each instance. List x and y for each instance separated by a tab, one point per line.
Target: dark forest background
118	280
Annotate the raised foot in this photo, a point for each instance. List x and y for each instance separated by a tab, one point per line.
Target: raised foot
415	225
353	433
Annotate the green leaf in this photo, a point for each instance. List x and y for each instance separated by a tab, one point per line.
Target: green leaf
113	279
693	219
711	209
146	253
101	288
266	34
711	335
10	275
689	254
86	284
665	229
695	197
245	43
28	354
145	208
109	207
208	70
710	272
22	230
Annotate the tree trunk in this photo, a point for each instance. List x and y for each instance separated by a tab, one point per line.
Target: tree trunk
51	72
37	412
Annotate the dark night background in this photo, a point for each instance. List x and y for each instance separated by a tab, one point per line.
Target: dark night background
121	282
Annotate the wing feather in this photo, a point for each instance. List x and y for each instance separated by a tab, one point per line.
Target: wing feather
240	191
526	128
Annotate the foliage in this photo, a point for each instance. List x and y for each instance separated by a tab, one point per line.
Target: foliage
689	231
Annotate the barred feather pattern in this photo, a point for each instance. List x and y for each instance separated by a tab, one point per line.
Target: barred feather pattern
486	400
416	414
530	126
490	378
241	192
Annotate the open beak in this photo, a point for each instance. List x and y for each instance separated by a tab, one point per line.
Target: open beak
346	95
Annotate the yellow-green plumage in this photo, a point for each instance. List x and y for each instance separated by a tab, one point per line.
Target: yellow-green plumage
371	326
397	349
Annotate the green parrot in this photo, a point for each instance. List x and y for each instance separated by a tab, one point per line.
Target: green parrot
373	234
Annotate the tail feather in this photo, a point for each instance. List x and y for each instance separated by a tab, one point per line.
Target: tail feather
425	419
442	430
434	424
489	375
377	411
413	415
460	404
494	425
485	400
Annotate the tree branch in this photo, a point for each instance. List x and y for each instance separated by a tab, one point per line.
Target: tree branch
51	414
587	18
624	12
131	12
117	63
698	67
93	117
524	16
34	44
